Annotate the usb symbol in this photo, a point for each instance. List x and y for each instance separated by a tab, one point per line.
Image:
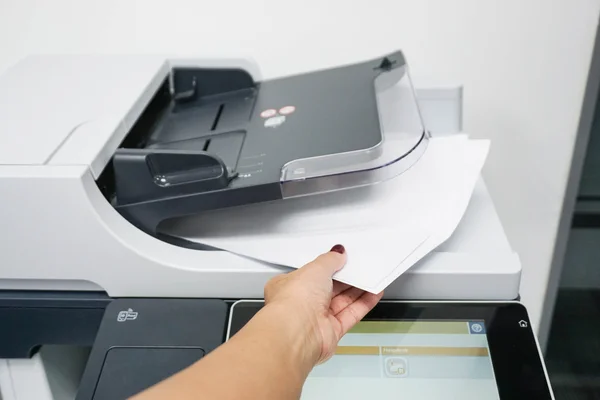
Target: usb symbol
127	315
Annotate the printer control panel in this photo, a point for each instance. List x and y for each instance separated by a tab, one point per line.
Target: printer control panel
428	350
463	349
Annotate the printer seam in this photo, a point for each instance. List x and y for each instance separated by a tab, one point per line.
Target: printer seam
62	142
12	380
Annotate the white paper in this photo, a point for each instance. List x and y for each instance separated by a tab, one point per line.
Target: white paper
386	228
450	213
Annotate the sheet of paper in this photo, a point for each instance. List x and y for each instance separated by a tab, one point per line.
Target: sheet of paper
386	228
371	253
450	212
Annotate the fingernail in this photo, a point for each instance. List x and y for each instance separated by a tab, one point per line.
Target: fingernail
338	248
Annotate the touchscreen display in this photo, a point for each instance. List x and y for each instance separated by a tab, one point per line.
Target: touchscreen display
428	359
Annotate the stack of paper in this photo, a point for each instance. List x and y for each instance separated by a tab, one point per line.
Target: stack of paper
386	228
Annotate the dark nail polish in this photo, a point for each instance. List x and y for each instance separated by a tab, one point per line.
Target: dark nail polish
338	248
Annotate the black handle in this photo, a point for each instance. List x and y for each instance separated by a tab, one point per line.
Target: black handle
149	174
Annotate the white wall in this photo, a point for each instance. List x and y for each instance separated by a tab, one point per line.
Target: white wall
523	63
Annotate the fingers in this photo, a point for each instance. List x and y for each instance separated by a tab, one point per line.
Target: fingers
344	299
338	287
356	311
327	264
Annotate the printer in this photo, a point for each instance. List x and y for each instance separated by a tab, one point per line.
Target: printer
100	154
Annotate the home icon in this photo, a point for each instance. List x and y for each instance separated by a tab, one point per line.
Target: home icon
523	324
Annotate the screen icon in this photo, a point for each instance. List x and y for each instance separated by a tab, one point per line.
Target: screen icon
476	328
396	367
523	324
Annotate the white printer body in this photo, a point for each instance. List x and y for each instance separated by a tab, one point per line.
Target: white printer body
72	265
61	120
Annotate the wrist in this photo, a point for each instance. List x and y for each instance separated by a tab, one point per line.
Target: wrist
299	336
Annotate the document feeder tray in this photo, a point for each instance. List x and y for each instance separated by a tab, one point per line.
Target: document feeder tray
215	138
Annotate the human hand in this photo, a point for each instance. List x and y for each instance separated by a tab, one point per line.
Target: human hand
311	298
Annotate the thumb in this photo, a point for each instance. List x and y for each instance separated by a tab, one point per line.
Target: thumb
328	263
